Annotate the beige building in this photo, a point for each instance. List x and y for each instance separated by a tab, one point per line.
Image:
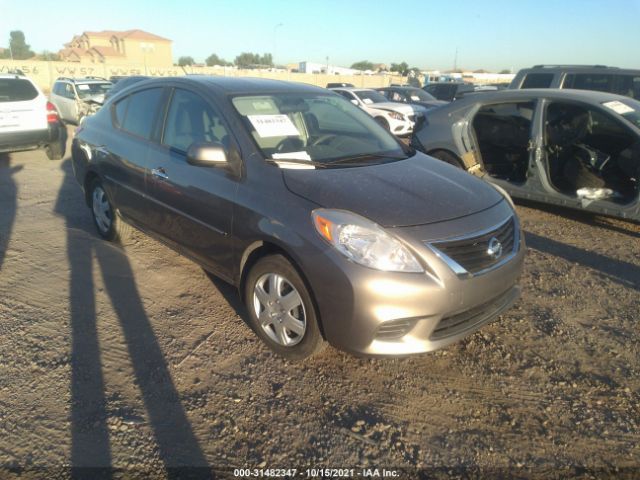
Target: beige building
128	47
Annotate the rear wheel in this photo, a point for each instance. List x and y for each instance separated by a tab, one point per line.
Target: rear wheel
281	310
55	151
108	223
447	157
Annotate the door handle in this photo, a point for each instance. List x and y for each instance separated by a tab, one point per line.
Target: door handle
160	173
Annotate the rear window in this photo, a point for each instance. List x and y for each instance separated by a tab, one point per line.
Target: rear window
537	80
16	90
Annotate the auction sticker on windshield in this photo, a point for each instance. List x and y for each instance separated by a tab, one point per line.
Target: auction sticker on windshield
273	125
618	107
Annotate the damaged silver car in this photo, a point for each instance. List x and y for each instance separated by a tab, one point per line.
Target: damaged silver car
574	148
76	98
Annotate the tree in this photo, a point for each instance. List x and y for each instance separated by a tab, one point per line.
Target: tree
214	59
402	68
252	60
186	61
504	71
363	65
18	48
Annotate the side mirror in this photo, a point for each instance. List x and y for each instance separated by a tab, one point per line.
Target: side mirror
207	154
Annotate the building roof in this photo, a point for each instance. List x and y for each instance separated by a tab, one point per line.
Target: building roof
106	51
136	33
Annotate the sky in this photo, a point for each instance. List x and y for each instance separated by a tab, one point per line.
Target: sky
488	34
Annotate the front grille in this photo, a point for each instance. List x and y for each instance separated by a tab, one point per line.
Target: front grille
474	254
460	322
395	329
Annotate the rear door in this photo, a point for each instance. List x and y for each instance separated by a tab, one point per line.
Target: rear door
22	106
193	205
136	120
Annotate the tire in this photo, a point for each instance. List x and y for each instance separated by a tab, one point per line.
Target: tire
268	291
383	122
447	157
55	151
107	221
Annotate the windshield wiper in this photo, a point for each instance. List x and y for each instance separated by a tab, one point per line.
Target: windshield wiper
367	156
296	161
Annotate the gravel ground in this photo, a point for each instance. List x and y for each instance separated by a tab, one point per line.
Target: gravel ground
133	357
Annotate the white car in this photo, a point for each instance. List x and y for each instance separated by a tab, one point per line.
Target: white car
396	117
27	120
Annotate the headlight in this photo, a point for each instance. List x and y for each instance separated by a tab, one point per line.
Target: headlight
396	115
363	241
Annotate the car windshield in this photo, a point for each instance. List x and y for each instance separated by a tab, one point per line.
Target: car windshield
316	128
370	96
16	90
86	90
418	95
628	109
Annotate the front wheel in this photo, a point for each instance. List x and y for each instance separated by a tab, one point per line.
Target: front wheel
281	310
109	225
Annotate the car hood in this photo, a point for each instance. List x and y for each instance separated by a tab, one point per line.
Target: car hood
416	191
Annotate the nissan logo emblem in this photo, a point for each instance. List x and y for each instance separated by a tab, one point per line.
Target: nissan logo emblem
495	248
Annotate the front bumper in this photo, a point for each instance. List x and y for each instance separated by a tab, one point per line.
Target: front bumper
369	312
31	139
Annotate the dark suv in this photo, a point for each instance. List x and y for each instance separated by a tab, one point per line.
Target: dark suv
329	226
580	77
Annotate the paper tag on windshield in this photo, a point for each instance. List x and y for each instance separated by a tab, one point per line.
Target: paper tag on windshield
415	98
619	107
273	125
368	101
83	87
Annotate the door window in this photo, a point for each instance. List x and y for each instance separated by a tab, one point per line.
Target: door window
589	81
141	112
191	119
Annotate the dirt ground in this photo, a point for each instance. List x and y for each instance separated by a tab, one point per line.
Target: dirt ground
134	358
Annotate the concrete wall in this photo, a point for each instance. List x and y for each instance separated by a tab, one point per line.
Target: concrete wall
45	73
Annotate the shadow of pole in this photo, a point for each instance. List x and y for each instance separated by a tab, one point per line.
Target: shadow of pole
624	273
8	202
91	451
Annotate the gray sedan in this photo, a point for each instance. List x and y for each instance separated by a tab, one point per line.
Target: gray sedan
332	230
574	148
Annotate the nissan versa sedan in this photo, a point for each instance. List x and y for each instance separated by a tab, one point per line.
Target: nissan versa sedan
332	230
574	148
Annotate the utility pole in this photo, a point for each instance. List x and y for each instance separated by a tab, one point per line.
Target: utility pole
327	72
455	60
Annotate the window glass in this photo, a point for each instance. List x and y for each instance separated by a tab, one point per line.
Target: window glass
537	80
190	119
141	112
16	90
120	109
318	127
589	81
68	90
86	90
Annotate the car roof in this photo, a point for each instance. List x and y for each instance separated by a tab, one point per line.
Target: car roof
578	68
237	86
588	96
82	80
